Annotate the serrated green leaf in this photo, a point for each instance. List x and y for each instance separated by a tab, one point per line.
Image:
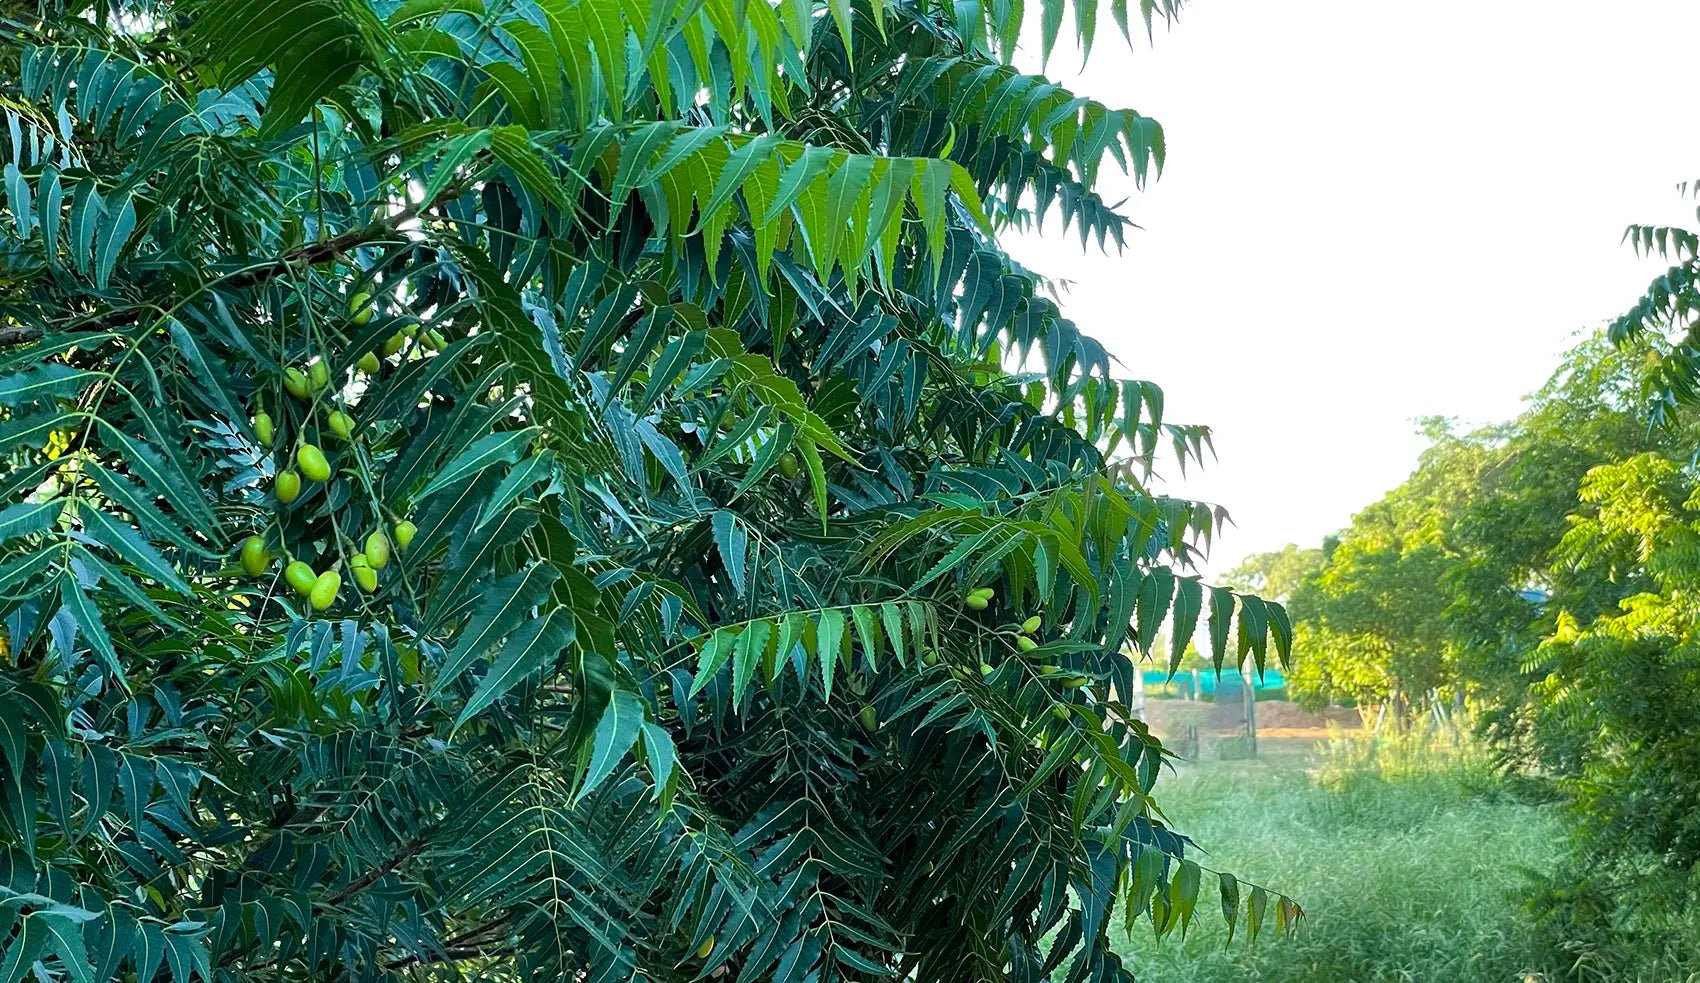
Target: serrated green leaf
51	380
29	518
114	233
486	451
528	650
127	543
1221	616
1183	623
615	734
91	628
502	607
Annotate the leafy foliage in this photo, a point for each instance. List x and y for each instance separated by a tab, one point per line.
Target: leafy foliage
1370	620
1547	567
531	491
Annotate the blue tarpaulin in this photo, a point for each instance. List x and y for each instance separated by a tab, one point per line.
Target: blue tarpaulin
1208	681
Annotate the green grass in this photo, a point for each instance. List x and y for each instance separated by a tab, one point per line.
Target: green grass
1407	861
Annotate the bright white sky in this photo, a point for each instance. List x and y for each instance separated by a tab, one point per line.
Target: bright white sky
1372	212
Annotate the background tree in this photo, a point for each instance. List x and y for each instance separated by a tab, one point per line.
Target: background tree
1546	566
1276	574
1372	619
529	491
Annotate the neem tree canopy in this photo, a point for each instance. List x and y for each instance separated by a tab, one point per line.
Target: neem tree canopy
532	490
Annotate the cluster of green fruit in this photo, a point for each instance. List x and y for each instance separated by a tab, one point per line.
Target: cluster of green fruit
320	589
980	598
309	385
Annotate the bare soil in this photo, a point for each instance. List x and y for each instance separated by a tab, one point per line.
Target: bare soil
1280	724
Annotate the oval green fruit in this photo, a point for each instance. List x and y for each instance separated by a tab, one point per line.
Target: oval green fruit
1025	644
369	364
1059	711
312	462
263	428
392	344
360	307
300	576
986	670
706	948
1031	625
1075	682
255	559
435	341
364	575
319	375
323	592
976	602
985	592
869	718
288	487
378	550
788	465
340	423
404	531
295	381
930	658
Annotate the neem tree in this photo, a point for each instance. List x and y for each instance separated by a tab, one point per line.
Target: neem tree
529	490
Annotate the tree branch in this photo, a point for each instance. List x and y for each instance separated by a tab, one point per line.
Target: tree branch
366	880
301	257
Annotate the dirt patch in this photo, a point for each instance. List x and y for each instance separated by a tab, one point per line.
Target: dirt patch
1280	714
1194	729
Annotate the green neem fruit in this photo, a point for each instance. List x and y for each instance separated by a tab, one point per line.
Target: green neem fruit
1075	682
312	463
323	592
788	465
255	559
1025	644
295	381
985	592
1060	712
930	658
1031	625
360	307
319	375
288	487
340	423
364	575
870	719
404	531
976	602
378	550
263	428
410	331
986	670
369	364
706	948
435	341
392	344
300	576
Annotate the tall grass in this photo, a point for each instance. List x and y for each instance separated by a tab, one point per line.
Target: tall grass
1407	852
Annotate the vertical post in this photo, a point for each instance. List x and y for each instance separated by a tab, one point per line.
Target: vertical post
1250	688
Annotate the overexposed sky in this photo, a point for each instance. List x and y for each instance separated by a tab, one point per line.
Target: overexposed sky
1373	211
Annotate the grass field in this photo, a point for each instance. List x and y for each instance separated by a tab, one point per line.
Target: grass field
1409	864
